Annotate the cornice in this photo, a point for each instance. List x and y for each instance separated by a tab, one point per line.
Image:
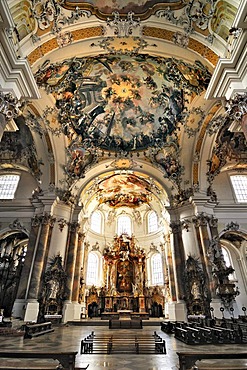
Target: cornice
230	75
15	72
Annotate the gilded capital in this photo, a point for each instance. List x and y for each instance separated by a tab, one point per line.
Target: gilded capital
9	106
237	107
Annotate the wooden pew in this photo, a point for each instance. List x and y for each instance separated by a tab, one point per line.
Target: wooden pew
188	335
167	327
35	330
65	359
188	359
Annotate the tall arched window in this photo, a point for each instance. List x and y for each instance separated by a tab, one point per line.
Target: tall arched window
8	186
96	222
228	262
152	222
239	183
92	269
124	225
157	270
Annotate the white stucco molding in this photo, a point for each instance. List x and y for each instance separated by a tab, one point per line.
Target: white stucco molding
15	73
230	74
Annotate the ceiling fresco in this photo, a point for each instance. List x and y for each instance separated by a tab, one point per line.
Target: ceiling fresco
124	189
121	102
105	8
121	190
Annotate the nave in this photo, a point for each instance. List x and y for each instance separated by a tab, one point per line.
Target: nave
68	338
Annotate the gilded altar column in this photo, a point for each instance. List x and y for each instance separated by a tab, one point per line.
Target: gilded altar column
78	265
42	229
170	269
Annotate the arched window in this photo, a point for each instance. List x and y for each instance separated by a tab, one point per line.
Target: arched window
152	222
8	186
239	183
96	221
124	225
92	269
228	262
157	270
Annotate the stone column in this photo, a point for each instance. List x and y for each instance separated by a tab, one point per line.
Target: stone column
70	310
170	270
19	305
71	256
177	309
179	258
38	265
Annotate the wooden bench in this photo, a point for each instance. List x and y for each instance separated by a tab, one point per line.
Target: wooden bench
65	359
188	359
167	327
125	324
34	330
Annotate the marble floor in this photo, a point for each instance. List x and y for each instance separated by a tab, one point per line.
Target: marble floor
68	338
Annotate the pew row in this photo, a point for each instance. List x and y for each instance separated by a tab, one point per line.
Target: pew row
65	359
194	333
187	360
35	330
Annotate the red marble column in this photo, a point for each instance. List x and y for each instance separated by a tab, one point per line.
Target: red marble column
179	257
39	261
170	271
78	265
71	256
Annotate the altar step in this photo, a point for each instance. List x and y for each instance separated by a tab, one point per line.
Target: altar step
153	321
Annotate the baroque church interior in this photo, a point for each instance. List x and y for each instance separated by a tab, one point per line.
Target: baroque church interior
123	162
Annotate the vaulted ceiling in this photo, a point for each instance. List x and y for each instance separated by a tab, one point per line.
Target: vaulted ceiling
122	98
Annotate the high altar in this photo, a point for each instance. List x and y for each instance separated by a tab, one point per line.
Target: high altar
124	292
124	273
